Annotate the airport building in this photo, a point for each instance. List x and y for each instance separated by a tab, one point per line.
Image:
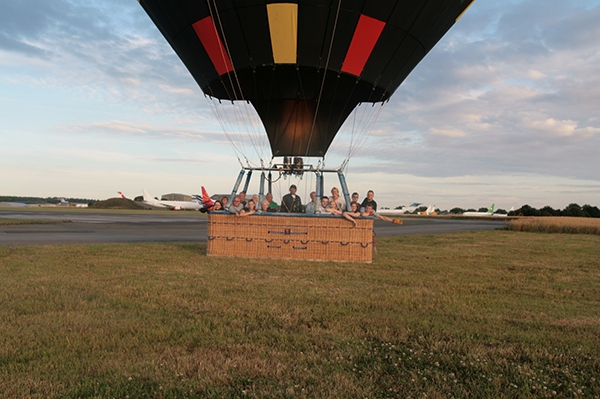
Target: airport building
176	197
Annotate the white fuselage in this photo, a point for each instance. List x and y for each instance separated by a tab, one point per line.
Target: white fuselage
178	205
174	205
391	212
484	214
478	214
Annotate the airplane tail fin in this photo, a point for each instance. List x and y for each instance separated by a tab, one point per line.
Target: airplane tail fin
121	195
430	209
147	196
491	210
206	200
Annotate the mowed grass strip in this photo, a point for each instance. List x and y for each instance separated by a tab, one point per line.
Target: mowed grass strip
478	315
11	222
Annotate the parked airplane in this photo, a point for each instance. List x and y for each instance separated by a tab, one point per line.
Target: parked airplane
64	202
392	212
121	195
489	213
412	207
407	210
429	211
206	200
208	203
401	210
173	205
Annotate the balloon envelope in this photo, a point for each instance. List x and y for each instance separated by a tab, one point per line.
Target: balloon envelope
303	65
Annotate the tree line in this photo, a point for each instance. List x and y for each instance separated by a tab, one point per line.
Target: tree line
575	210
46	200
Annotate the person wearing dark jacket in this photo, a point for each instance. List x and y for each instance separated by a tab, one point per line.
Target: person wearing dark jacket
291	203
369	201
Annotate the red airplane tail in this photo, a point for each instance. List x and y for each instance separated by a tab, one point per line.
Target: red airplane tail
206	200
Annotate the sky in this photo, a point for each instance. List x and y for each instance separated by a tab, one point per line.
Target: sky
505	110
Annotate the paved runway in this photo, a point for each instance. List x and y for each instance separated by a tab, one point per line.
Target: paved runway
90	227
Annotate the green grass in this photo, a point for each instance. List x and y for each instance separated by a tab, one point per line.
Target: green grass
9	222
470	315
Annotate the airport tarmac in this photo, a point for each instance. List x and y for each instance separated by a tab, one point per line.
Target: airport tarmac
89	227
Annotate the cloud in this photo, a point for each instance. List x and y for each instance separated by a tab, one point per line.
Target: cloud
177	90
553	127
502	93
535	75
513	88
445	133
132	129
18	46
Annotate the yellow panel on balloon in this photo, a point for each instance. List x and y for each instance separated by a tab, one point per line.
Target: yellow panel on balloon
283	26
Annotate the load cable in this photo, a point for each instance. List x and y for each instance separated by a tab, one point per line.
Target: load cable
244	116
312	129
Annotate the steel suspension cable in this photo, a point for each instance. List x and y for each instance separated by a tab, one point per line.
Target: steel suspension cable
244	115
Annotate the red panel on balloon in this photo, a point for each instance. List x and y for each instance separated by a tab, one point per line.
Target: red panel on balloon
208	35
365	37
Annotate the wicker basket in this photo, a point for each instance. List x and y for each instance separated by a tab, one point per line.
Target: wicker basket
284	236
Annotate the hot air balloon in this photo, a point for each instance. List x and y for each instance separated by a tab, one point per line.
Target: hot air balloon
304	65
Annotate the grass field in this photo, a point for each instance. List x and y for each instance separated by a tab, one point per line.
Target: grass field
10	222
565	225
497	314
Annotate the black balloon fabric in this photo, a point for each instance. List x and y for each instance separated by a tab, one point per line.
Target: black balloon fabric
303	65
